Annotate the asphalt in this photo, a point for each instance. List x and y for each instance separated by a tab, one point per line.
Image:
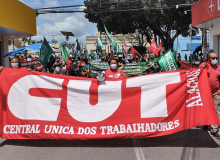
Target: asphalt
192	144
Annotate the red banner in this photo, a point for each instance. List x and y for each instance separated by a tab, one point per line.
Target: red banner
161	48
153	47
30	63
37	105
125	48
133	52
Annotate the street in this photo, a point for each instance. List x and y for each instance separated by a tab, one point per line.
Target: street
192	144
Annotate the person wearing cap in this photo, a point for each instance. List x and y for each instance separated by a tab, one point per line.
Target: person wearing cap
121	62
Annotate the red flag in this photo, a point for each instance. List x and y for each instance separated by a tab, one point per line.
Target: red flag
153	47
133	52
125	48
161	48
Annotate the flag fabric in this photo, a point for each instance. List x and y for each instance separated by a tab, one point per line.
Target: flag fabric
167	62
64	107
161	48
95	56
113	43
45	53
133	52
125	48
99	45
153	47
87	55
64	54
77	49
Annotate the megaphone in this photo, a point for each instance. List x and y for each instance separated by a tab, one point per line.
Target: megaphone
100	76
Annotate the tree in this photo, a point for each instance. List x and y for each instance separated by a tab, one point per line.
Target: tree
150	21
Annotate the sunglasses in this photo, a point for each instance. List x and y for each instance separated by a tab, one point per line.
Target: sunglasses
215	58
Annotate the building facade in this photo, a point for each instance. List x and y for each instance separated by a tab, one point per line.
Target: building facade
120	39
17	20
206	15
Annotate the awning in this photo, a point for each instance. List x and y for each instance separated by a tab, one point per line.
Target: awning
33	47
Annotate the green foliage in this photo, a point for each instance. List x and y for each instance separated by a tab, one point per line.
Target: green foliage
149	22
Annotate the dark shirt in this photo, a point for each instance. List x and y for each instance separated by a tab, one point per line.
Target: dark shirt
121	63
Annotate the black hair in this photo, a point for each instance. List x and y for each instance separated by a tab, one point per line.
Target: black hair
16	57
112	60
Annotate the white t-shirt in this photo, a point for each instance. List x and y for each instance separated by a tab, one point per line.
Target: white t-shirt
29	59
57	69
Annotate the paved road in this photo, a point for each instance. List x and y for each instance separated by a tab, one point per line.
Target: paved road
192	144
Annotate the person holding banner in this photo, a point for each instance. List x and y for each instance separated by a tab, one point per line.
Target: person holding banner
74	68
86	67
114	72
152	64
213	71
121	62
15	63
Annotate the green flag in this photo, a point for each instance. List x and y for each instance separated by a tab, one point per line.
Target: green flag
87	55
76	48
167	62
64	54
99	45
113	43
45	53
95	56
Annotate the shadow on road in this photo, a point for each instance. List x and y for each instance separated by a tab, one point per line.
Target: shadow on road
187	138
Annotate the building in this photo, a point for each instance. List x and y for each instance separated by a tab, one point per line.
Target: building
120	39
183	46
17	20
206	14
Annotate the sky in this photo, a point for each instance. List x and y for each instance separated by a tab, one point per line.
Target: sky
52	23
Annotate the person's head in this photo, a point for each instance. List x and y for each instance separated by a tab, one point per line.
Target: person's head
148	55
120	56
113	64
15	62
87	61
213	58
29	56
74	62
70	57
152	56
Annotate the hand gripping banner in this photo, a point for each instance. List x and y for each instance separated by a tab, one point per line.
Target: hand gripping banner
38	105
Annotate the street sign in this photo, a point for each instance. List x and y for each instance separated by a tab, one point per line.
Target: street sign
198	38
103	43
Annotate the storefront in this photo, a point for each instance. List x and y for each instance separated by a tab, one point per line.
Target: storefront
206	14
17	20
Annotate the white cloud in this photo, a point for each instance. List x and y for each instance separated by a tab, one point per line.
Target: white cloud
75	23
49	3
36	3
56	22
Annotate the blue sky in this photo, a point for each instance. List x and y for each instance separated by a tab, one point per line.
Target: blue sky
53	23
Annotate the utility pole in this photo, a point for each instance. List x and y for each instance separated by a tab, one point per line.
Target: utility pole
190	33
